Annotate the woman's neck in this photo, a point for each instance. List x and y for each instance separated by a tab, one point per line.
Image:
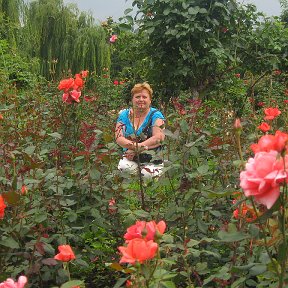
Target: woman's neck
138	113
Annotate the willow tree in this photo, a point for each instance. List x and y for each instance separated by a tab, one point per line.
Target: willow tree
10	16
63	38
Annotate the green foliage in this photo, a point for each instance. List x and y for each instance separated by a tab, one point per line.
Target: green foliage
15	70
66	157
195	47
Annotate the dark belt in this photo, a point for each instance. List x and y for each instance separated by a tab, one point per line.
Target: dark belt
146	158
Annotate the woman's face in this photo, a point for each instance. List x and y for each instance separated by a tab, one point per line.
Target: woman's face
141	100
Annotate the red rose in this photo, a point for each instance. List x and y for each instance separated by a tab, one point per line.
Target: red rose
2	207
138	250
271	113
66	84
66	254
264	127
145	230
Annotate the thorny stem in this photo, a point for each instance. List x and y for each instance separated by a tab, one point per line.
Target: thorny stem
239	146
139	166
265	240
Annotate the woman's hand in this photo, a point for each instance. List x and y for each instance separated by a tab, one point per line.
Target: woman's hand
129	154
140	147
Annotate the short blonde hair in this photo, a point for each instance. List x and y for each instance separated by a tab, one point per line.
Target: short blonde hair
141	86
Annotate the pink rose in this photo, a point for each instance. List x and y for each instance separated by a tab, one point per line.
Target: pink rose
10	283
278	142
145	230
84	73
263	176
237	124
138	250
75	95
66	98
113	38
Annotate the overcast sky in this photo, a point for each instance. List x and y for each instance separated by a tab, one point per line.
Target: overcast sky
101	9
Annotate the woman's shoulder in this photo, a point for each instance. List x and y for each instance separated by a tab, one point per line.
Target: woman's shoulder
156	113
123	113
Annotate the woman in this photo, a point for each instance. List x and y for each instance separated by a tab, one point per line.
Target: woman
138	130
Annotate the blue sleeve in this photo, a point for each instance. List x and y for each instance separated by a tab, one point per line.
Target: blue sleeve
122	116
157	115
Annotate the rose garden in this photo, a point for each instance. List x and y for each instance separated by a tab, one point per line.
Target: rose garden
218	214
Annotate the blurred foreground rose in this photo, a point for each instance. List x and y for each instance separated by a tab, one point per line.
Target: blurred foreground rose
2	207
263	176
10	283
277	142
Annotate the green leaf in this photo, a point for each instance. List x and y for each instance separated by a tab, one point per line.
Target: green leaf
192	243
183	124
202	226
129	19
124	27
55	135
194	142
81	262
185	5
40	217
166	11
215	213
237	283
232	236
168	238
49	262
30	149
258	269
128	10
193	11
71	216
141	214
168	284
203	169
169	133
94	174
72	283
120	282
10	243
67	202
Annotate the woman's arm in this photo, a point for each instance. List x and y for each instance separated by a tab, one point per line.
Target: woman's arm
157	135
126	143
120	139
